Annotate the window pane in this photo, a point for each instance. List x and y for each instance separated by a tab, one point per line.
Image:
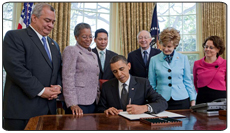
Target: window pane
162	9
7	26
175	8
95	14
76	17
189	42
163	22
90	18
78	6
72	41
180	46
8	11
91	7
103	21
93	44
103	7
176	22
189	8
192	58
189	25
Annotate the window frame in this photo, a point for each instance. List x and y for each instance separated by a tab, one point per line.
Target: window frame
199	49
96	12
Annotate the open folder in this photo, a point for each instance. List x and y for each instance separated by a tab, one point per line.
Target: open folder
145	115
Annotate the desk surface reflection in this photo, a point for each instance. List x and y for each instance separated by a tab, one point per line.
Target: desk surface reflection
100	121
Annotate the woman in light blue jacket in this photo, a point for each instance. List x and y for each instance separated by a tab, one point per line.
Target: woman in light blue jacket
169	72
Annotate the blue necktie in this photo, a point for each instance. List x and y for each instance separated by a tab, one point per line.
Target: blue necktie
102	58
46	48
145	57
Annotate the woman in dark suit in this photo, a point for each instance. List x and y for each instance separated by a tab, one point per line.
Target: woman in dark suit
210	72
80	73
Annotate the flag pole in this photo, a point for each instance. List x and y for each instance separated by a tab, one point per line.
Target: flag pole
157	41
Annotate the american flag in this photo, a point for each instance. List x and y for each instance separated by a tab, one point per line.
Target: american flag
24	20
154	30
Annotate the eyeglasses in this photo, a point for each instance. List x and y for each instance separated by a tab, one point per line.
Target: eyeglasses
86	37
145	37
210	47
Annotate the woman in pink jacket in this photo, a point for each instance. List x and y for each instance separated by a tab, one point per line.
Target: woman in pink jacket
210	72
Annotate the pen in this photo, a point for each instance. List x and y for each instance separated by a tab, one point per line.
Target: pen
129	100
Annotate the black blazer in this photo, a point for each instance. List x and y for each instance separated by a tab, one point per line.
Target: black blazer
28	70
107	74
138	67
140	92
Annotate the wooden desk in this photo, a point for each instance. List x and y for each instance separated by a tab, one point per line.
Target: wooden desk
99	121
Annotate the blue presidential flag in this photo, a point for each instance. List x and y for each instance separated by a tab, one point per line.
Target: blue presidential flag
154	30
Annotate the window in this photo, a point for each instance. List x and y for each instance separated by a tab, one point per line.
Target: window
97	15
183	17
7	17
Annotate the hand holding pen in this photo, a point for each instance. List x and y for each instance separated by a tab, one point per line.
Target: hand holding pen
136	109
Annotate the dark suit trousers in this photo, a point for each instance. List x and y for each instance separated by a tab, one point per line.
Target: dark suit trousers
14	124
179	104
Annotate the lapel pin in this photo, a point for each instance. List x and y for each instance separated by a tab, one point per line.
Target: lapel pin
177	57
132	89
52	43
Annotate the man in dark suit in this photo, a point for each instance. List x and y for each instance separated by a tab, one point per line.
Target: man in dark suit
140	58
130	93
33	65
104	55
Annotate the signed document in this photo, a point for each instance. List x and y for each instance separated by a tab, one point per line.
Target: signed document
135	116
145	115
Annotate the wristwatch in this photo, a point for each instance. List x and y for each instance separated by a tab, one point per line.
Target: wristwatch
149	108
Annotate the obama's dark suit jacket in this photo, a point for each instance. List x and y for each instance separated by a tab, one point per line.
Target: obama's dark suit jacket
28	70
140	92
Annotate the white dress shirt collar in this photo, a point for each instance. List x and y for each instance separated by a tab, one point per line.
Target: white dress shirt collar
148	50
98	50
39	35
120	85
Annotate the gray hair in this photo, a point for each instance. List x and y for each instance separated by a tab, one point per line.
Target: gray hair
79	27
141	31
38	9
117	58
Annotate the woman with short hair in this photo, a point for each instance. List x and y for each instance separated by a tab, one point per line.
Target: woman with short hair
80	73
169	72
210	72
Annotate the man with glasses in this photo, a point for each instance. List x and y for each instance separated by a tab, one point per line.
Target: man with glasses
139	59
